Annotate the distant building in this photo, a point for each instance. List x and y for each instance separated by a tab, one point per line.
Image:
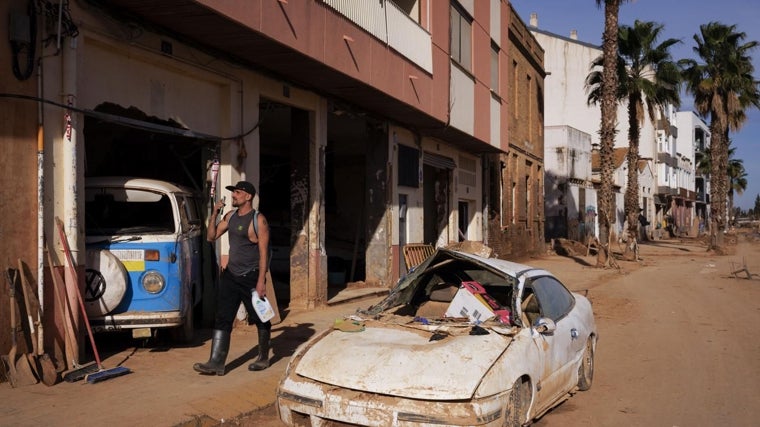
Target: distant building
694	140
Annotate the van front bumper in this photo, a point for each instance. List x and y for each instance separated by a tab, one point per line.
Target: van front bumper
137	320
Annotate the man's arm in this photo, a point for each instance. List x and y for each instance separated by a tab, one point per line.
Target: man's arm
263	241
215	230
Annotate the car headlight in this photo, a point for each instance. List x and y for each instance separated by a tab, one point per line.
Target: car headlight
153	282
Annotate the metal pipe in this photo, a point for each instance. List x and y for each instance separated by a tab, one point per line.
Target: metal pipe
40	204
70	148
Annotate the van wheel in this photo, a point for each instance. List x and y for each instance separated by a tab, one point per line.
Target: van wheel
106	281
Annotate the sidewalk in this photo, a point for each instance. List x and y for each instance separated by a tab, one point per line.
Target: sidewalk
163	389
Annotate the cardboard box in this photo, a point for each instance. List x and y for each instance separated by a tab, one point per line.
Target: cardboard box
466	304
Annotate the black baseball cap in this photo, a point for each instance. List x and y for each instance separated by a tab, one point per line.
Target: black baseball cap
243	185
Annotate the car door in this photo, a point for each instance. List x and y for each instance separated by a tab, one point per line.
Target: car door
190	243
562	346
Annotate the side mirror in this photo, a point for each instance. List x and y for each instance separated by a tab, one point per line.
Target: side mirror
545	326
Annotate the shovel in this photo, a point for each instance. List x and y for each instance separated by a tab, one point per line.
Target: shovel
9	360
44	365
20	371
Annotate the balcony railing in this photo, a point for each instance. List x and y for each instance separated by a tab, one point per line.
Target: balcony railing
391	25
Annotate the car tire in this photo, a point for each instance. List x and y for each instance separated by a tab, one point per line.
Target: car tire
586	368
106	281
518	404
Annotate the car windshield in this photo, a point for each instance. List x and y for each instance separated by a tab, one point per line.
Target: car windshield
121	212
444	269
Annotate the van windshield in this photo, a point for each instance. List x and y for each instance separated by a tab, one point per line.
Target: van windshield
116	211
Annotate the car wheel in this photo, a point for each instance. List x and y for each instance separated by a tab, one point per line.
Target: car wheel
586	369
518	404
106	282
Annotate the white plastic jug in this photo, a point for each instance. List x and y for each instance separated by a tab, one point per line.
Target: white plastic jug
262	307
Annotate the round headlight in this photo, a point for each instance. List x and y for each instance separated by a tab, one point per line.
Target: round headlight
153	282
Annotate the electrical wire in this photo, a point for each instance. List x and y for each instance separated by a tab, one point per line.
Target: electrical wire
133	123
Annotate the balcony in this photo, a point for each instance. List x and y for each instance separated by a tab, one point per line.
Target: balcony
667	159
666	191
391	25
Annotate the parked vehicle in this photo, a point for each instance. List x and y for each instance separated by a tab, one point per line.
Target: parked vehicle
144	271
462	340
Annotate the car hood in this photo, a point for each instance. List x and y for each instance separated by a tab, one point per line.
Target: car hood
403	362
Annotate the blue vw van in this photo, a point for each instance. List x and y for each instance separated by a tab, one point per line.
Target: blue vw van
143	260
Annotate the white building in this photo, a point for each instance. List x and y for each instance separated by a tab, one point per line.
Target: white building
569	190
668	183
694	137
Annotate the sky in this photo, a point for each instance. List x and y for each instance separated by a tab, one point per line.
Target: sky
681	20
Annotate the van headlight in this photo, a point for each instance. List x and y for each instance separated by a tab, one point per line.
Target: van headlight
153	282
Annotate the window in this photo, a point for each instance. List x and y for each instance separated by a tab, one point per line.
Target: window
529	95
461	37
494	67
515	90
410	7
553	298
467	171
528	191
514	202
464	220
527	200
408	166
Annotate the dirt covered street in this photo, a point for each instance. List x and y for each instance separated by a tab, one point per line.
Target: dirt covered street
678	344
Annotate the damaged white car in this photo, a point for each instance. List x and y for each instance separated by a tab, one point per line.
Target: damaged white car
462	340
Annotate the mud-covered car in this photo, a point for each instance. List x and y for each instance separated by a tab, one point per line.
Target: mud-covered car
461	340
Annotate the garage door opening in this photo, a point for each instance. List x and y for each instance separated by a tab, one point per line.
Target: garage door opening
128	142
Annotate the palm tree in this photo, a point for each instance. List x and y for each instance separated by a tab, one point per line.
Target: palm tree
736	174
737	179
608	90
723	88
648	80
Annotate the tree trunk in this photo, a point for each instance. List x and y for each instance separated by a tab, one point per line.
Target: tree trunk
632	188
607	132
718	178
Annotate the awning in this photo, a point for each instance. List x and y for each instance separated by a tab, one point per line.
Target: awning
660	200
438	161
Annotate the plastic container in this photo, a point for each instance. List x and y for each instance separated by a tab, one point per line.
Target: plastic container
262	307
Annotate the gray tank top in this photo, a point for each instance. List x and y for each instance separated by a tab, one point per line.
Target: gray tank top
244	254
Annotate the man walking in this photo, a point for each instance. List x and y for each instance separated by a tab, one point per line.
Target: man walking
244	273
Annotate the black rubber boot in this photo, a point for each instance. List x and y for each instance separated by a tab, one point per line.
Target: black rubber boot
263	361
220	346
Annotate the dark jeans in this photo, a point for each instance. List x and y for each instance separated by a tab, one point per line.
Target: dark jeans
232	291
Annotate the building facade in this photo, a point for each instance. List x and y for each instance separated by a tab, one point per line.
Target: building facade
365	125
694	140
516	177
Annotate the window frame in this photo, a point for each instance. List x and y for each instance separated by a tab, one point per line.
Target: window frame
459	16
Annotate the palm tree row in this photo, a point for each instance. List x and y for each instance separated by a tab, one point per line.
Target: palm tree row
637	69
648	79
724	88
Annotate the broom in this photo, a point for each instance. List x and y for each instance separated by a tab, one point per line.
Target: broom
101	374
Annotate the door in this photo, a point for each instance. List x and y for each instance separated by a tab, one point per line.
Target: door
561	347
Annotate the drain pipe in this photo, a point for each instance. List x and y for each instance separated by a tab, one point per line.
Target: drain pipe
70	146
40	204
